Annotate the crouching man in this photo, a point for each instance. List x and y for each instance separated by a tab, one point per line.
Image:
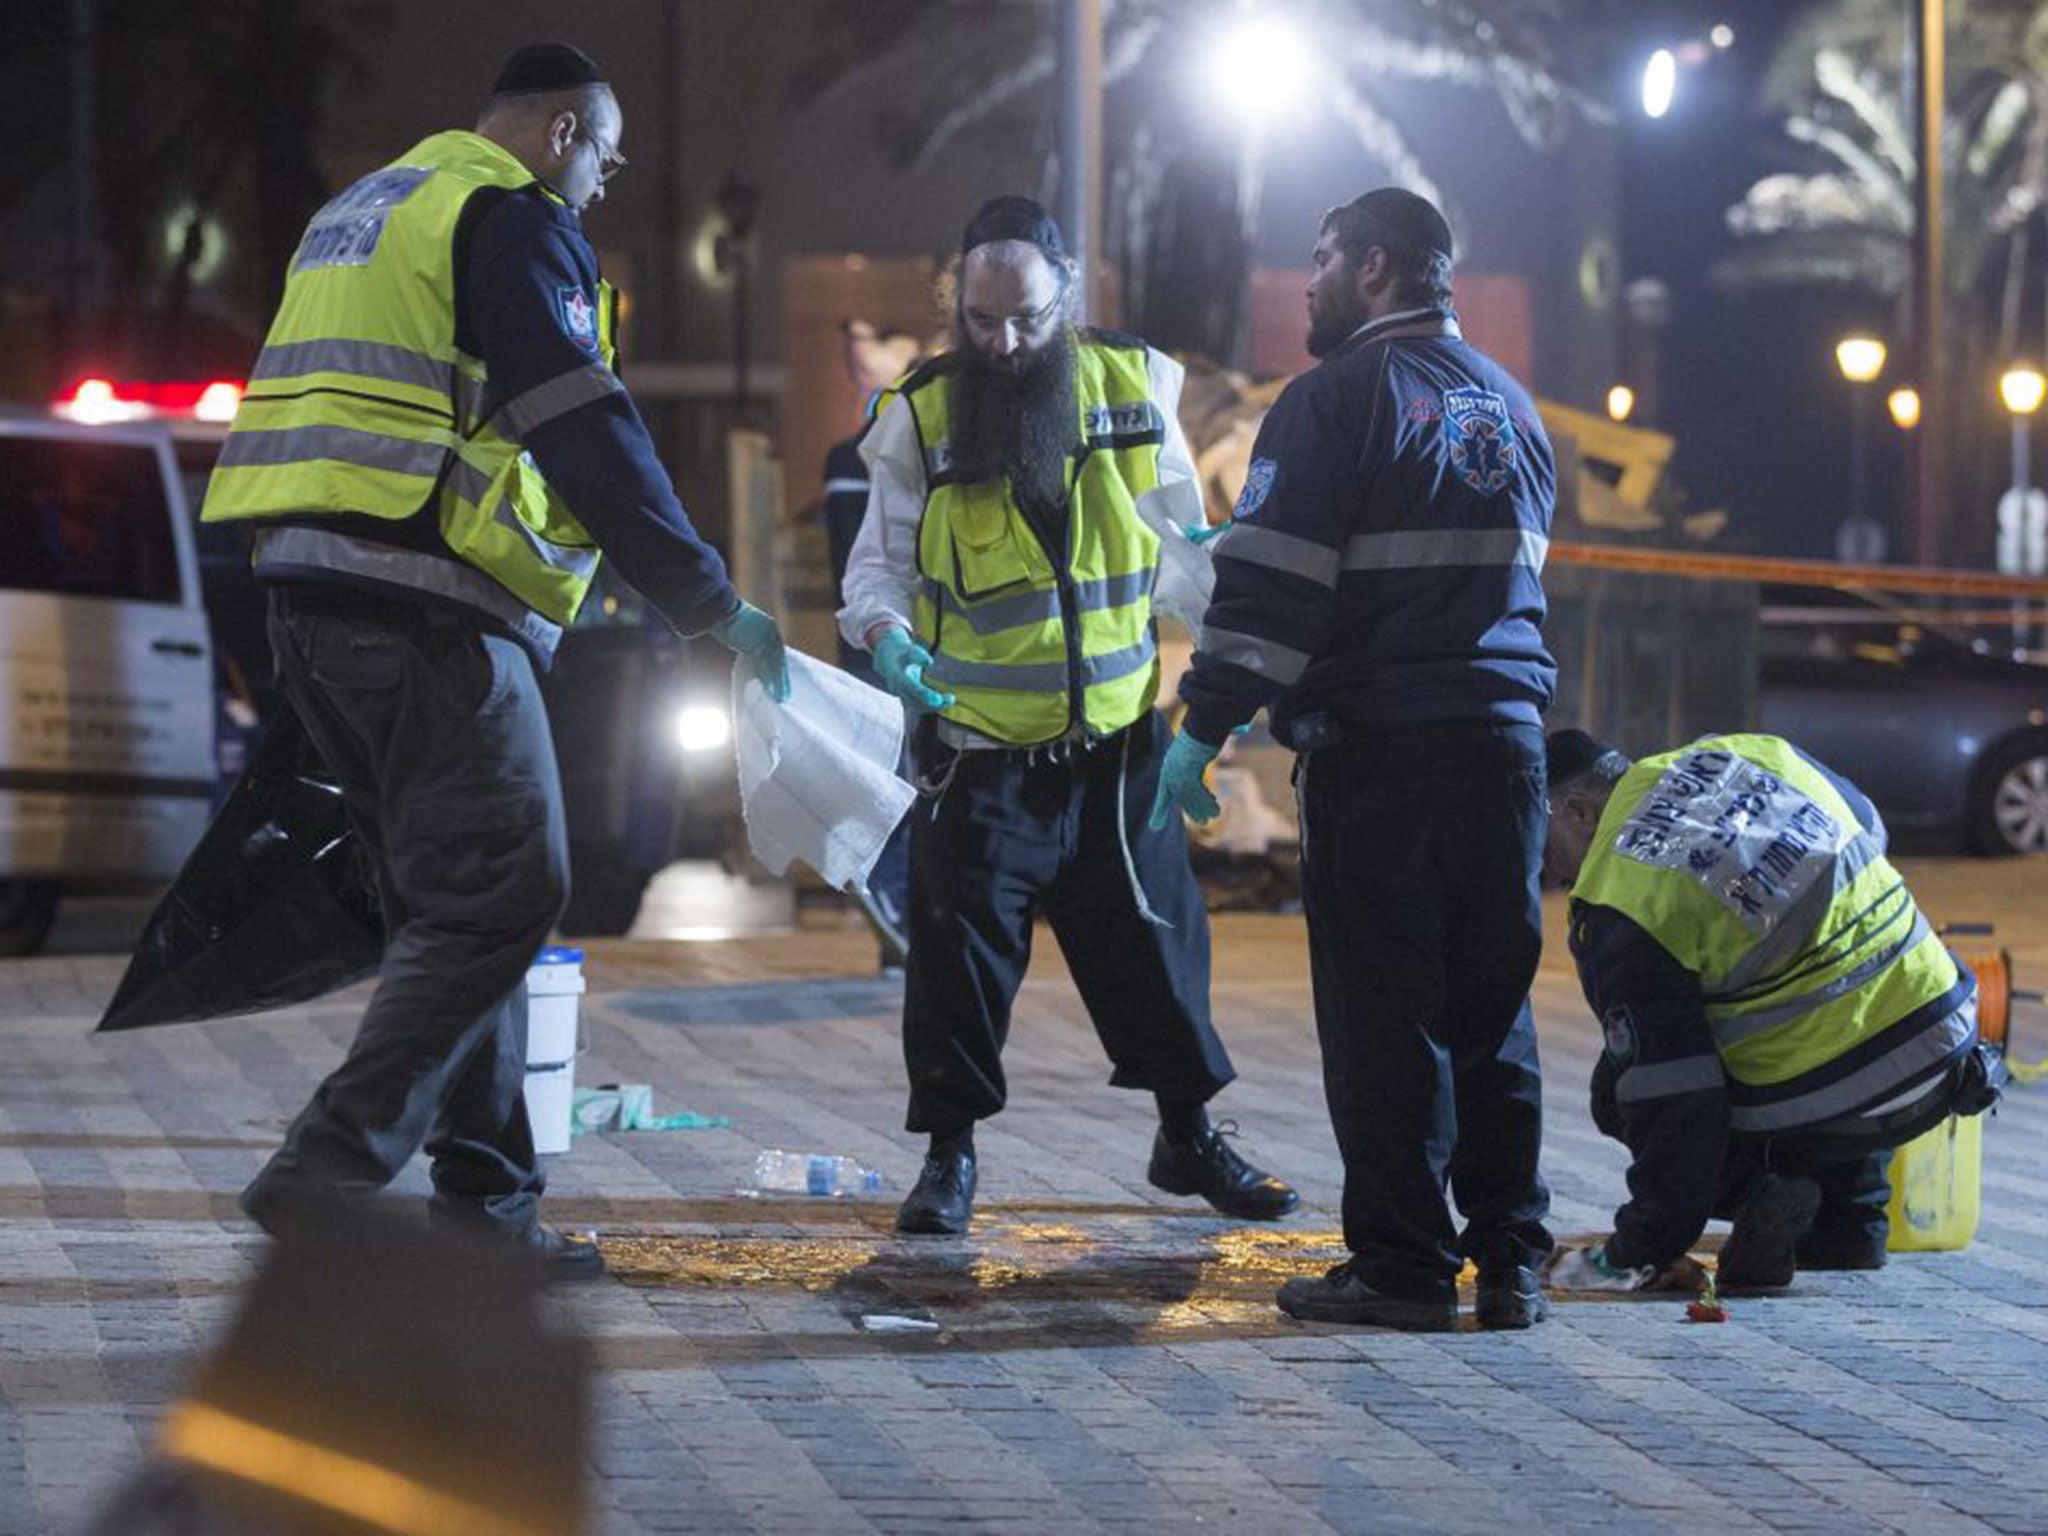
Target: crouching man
1777	1013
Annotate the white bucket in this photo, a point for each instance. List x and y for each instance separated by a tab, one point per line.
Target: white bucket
552	987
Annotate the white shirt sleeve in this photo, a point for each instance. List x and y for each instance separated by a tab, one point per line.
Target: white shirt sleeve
881	571
1187	575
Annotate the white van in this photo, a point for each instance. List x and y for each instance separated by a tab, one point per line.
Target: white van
107	762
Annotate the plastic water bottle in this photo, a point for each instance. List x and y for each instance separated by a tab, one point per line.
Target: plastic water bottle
813	1173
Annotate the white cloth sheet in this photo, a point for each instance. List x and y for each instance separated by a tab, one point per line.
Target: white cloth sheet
817	773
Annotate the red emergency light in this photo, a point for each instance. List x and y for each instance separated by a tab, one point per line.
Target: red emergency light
100	402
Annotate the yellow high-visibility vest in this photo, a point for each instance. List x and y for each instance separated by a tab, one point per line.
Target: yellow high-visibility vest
1032	648
361	402
1826	991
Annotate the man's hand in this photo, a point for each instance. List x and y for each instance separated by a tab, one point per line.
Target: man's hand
1180	782
753	635
1683	1275
1587	1269
900	662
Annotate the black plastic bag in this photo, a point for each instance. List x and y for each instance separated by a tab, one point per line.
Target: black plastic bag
276	905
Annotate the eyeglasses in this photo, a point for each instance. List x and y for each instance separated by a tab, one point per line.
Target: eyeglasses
1030	323
609	161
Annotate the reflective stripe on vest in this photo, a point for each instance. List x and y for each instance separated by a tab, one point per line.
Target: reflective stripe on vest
282	551
1010	638
361	403
1824	988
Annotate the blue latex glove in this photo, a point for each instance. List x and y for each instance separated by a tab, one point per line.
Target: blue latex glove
1180	783
900	662
1202	533
757	638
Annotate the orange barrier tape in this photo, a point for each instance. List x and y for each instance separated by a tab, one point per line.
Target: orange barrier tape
1803	573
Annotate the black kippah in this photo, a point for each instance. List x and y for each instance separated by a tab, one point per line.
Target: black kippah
546	67
1411	220
1569	753
1014	218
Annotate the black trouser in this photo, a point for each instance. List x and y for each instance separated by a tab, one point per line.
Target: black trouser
440	740
1012	834
1421	846
1854	1189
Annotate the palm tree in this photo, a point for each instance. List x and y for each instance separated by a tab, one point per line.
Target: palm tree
1181	201
205	115
1841	215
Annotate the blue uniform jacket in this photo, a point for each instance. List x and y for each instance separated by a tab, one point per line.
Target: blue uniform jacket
1384	560
526	254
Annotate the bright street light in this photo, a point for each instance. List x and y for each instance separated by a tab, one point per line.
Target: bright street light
1621	400
2022	389
1723	36
1260	65
1861	358
1660	82
1904	404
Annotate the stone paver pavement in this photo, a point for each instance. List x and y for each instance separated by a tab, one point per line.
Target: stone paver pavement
1104	1357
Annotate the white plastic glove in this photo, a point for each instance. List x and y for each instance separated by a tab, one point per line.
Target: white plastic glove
1587	1269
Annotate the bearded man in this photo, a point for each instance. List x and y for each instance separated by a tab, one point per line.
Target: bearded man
1022	484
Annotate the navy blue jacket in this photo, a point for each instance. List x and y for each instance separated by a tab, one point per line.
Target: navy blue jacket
1651	1013
525	252
1384	560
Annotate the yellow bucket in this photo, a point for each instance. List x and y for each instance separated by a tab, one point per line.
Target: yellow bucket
1936	1183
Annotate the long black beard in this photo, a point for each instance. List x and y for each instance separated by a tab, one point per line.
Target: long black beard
1018	424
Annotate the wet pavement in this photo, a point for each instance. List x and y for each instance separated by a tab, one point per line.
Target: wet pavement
1094	1354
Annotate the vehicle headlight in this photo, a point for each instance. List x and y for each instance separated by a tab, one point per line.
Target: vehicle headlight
703	728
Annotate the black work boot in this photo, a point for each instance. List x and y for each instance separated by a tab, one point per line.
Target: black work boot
569	1260
1339	1296
1842	1250
942	1200
1761	1253
1209	1166
1510	1296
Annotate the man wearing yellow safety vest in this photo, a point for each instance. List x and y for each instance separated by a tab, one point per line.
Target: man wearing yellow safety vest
1026	486
1776	1012
432	451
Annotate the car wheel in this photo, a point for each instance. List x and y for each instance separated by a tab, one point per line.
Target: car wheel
2009	813
27	909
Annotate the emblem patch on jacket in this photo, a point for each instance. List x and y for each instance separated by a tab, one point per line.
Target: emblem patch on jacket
578	316
1258	485
1482	438
1618	1030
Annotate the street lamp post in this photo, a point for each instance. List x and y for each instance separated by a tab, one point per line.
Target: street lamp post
1860	539
1930	363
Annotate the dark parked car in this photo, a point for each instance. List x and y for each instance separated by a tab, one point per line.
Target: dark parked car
1946	733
